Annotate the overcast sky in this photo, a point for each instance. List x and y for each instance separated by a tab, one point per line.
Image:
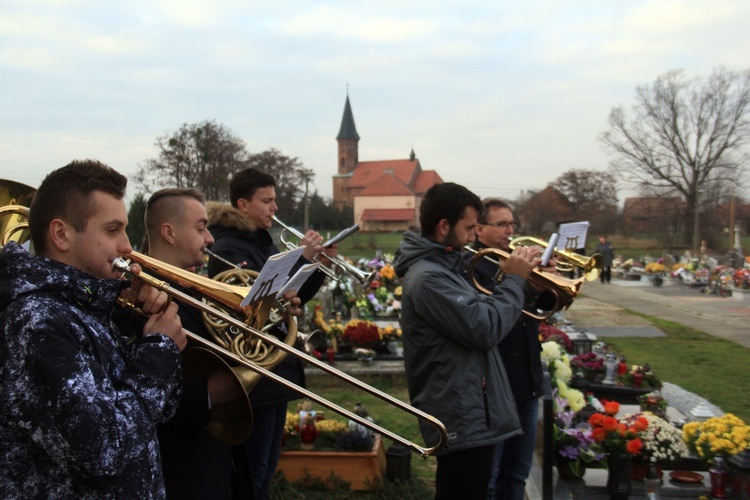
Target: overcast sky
501	96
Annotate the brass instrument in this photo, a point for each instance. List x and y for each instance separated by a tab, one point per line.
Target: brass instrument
232	423
558	292
15	198
566	260
362	276
219	293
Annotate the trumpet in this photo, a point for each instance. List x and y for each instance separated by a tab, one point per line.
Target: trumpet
362	276
184	277
566	259
557	293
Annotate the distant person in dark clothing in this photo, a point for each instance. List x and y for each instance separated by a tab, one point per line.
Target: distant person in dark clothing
608	256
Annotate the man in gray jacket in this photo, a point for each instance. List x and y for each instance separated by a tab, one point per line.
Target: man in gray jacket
451	333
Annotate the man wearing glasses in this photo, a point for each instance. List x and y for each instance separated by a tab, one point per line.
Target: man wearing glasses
520	351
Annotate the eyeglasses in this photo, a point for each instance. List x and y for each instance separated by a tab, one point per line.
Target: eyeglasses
500	225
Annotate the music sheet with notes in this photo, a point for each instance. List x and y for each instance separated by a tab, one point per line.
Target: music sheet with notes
273	276
572	235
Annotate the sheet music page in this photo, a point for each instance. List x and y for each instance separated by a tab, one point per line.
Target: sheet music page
572	235
273	276
299	278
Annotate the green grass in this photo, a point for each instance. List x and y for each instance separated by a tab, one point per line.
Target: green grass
714	368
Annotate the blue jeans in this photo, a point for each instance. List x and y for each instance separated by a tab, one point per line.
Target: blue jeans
513	457
264	446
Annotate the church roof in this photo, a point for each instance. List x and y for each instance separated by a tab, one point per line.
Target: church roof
368	172
425	180
348	130
386	185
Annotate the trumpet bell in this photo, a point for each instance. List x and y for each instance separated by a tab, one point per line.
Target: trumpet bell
15	198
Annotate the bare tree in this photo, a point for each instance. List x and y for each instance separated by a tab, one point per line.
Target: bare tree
685	134
200	155
592	195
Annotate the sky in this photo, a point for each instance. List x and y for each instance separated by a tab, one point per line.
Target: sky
500	96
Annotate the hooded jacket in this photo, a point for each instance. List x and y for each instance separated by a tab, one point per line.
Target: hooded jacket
450	334
78	404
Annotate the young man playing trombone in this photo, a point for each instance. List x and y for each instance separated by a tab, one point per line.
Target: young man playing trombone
81	401
242	237
450	334
196	465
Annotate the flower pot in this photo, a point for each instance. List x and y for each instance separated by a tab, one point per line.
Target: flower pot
361	469
638	471
618	476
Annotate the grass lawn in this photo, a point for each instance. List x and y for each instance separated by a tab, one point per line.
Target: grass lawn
714	368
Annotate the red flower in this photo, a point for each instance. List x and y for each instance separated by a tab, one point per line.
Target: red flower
611	407
641	424
634	446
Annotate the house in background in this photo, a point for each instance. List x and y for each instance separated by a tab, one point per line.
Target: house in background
384	194
653	215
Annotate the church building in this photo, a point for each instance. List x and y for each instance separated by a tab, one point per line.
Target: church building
385	194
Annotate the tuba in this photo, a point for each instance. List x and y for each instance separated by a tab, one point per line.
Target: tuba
15	200
557	293
566	259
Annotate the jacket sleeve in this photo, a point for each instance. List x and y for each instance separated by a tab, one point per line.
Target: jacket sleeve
78	400
464	315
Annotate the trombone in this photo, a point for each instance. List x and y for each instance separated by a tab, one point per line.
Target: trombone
184	278
566	259
558	292
362	276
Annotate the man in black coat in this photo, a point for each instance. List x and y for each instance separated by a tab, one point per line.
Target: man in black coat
196	464
242	238
520	351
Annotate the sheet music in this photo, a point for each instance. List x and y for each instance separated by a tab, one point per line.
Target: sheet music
273	276
299	278
573	235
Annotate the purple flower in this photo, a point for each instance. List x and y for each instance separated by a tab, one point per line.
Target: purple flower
570	452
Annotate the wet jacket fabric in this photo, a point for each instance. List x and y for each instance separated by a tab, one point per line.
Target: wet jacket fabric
239	242
450	334
78	405
520	350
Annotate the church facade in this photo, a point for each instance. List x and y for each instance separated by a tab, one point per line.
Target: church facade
385	194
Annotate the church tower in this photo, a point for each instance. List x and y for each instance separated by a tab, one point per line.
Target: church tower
348	156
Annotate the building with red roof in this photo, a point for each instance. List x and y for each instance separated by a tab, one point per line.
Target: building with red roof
385	194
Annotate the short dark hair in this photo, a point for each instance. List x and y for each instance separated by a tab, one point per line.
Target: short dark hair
66	193
488	204
445	201
165	204
246	182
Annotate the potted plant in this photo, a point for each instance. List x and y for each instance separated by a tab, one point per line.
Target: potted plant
653	402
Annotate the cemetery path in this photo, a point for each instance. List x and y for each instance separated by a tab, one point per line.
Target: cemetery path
601	305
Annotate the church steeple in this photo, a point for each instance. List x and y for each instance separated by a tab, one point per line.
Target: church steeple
348	156
348	130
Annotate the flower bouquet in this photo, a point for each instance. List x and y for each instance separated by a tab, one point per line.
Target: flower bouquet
640	376
361	334
717	437
589	365
575	447
742	279
662	442
615	437
549	332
